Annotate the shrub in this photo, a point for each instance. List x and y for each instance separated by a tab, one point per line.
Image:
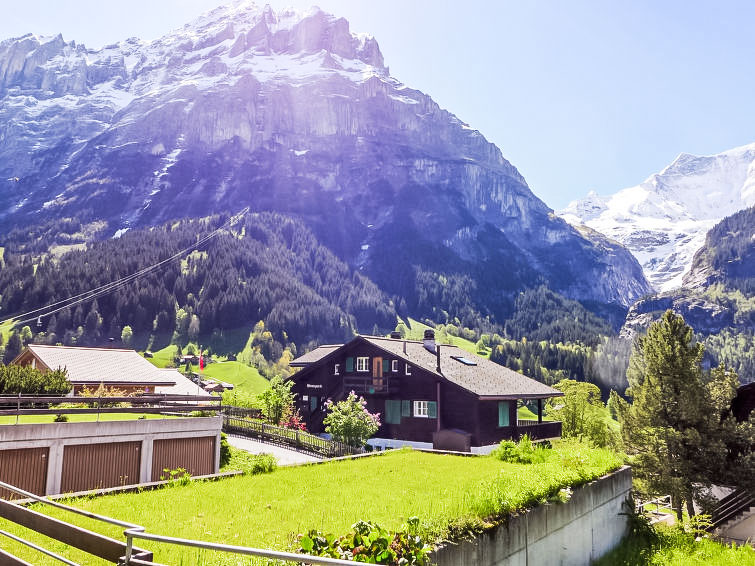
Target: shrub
225	450
61	418
525	452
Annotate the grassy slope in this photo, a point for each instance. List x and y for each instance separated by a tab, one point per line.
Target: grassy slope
270	510
247	380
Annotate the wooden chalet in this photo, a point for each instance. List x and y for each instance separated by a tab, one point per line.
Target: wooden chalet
426	393
92	367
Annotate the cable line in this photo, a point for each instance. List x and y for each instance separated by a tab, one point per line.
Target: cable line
106	288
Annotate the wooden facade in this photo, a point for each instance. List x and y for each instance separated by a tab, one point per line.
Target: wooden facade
414	402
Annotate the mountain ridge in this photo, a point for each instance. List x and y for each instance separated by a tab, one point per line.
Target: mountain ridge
293	114
664	219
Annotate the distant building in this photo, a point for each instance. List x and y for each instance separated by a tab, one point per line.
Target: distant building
92	367
427	394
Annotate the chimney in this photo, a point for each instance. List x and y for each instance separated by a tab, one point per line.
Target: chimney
395	335
429	340
437	353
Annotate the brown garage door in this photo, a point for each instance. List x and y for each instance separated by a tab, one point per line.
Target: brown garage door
195	455
25	468
94	466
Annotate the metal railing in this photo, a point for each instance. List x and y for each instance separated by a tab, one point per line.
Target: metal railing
293	438
133	556
17	405
652	508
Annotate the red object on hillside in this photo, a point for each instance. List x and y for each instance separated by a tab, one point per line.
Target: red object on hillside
201	361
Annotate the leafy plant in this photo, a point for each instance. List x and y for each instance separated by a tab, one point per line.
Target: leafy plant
177	477
61	418
371	543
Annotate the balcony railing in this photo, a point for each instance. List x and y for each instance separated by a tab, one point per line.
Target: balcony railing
539	431
366	384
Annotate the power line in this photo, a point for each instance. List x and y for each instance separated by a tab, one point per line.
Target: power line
91	294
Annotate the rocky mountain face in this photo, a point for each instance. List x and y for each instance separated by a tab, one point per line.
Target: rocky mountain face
290	113
719	288
664	220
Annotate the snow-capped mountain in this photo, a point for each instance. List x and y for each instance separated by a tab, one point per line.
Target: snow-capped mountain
289	112
663	221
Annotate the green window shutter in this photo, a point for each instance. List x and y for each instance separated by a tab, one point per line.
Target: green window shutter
405	408
386	366
349	364
393	411
503	413
432	409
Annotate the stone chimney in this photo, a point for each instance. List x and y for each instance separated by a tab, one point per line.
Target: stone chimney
429	340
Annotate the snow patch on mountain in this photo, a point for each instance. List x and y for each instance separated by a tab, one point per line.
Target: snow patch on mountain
663	220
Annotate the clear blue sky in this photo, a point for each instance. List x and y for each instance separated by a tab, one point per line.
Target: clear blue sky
578	95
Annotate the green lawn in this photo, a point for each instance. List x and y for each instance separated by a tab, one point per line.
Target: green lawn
85	418
269	510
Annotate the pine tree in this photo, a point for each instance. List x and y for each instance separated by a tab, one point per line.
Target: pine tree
671	430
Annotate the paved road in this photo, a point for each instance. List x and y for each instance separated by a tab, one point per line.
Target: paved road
285	456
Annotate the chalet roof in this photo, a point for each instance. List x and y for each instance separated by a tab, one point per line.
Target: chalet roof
484	378
182	386
98	365
314	356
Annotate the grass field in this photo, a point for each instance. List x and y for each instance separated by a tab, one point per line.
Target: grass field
269	510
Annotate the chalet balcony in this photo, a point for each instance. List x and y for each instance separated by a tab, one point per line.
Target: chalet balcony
539	430
368	385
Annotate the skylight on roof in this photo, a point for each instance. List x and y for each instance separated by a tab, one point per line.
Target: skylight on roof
465	361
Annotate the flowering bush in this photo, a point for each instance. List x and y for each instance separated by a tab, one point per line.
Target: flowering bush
350	422
292	419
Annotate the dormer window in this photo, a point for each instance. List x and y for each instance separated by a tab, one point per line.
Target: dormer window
394	366
363	363
408	370
336	369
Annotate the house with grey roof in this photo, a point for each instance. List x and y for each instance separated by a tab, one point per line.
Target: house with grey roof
92	367
427	394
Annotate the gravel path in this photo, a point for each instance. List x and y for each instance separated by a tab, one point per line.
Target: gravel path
285	456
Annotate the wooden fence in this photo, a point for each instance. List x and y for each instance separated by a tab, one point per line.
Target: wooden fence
296	439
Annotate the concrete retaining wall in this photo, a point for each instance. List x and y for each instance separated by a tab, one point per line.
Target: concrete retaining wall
56	436
572	533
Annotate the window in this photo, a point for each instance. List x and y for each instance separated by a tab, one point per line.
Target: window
425	409
420	408
503	413
394	366
336	369
392	411
408	370
363	364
